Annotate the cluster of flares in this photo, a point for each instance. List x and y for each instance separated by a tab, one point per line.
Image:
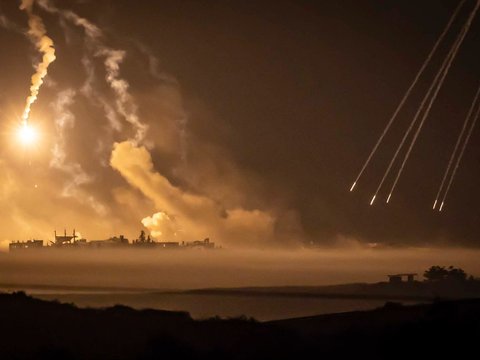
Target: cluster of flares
422	113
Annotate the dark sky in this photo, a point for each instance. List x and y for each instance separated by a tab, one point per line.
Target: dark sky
296	93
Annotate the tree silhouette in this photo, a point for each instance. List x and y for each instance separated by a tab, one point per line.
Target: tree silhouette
435	273
441	273
456	274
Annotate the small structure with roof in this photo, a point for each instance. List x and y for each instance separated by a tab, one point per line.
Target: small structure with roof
398	278
29	244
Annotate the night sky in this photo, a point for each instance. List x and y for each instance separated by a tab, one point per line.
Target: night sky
260	115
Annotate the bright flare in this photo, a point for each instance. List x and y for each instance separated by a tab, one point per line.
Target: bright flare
441	207
373	199
353	186
27	135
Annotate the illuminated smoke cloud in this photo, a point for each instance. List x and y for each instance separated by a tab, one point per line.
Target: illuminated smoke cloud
44	44
189	216
162	226
179	214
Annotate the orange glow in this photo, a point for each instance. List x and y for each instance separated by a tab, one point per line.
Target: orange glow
27	134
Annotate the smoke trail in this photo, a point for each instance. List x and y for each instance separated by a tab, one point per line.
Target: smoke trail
97	98
153	65
113	58
460	156
10	25
457	145
434	83
45	45
64	119
124	101
6	23
409	90
462	35
181	120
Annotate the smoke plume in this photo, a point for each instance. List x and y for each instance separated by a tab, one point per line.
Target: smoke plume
175	181
44	44
186	215
112	58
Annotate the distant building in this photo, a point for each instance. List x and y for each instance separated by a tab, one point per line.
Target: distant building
29	244
113	242
168	244
64	240
143	241
398	278
202	244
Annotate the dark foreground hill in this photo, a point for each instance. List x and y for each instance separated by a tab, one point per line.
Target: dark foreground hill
32	328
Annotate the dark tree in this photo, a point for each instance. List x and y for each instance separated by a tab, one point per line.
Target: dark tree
436	273
141	238
456	274
440	273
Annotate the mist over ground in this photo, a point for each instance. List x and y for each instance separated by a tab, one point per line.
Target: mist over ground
188	269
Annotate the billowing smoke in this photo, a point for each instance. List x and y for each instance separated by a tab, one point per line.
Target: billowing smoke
44	44
162	226
186	215
181	215
169	179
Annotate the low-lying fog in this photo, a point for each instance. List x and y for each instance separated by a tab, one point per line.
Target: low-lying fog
184	269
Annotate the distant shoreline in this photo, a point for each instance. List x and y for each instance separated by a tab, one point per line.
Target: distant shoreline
239	292
321	292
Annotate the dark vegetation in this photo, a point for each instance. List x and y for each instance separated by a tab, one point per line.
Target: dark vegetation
32	328
439	282
441	273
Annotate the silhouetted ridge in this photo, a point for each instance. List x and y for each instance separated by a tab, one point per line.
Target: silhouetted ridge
32	328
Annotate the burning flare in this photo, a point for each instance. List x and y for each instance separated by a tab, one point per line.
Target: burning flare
27	134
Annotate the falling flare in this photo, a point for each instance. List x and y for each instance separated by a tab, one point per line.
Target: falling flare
410	89
462	151
27	135
388	198
434	90
353	186
373	199
441	206
469	116
435	204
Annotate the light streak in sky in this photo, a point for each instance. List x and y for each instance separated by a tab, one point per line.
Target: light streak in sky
409	90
